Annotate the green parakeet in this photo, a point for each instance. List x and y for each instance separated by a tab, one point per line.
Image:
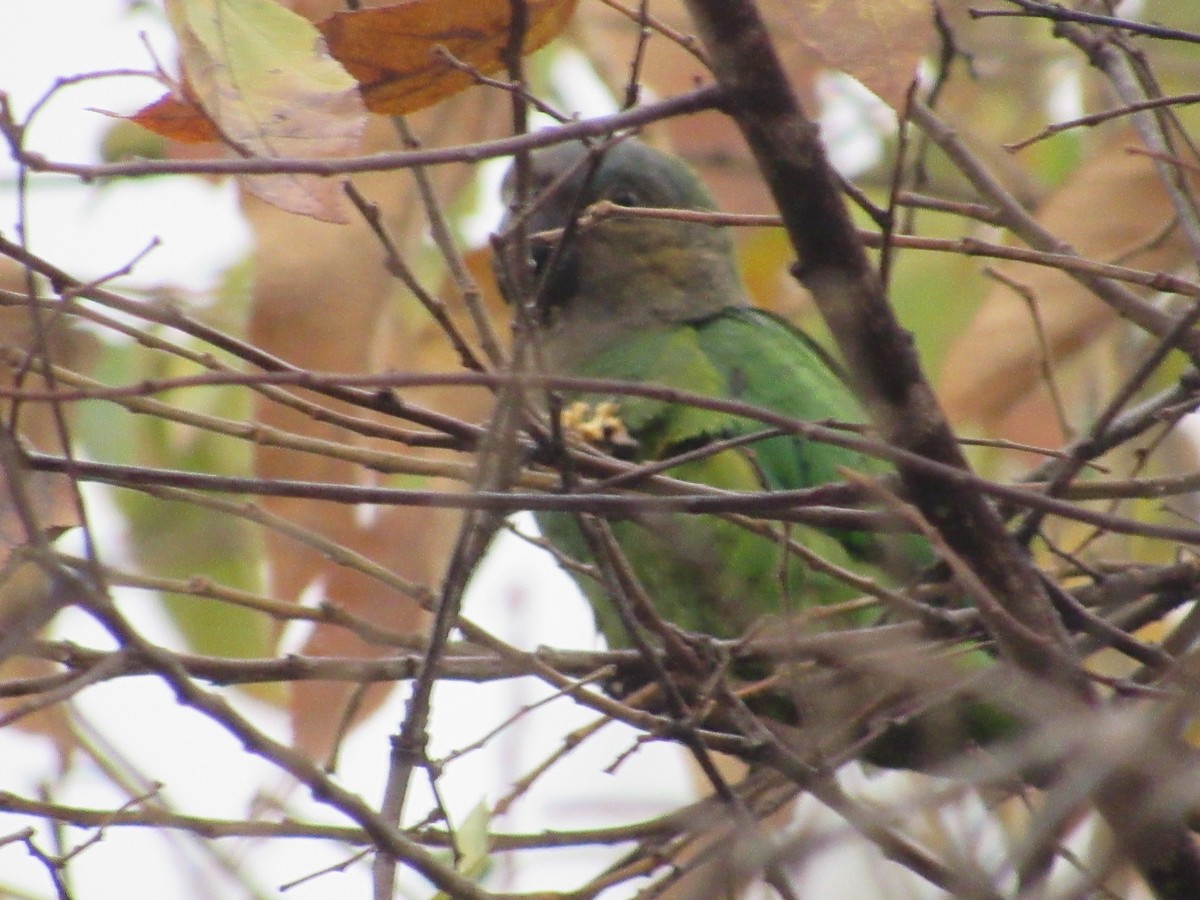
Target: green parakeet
660	301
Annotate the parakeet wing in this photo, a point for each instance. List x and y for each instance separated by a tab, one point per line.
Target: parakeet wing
705	573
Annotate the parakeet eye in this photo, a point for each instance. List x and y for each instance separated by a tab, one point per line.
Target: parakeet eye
627	197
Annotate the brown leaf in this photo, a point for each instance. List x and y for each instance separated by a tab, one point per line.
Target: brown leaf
393	51
53	721
178	118
28	598
260	75
1111	209
51	495
879	43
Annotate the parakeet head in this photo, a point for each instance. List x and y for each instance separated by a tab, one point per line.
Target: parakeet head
618	274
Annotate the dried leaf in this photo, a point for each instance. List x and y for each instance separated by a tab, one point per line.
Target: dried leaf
28	597
260	75
879	43
53	721
179	118
51	495
395	51
1113	208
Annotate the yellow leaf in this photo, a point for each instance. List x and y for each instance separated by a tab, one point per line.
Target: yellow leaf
262	77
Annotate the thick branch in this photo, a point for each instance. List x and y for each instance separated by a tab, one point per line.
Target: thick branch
882	360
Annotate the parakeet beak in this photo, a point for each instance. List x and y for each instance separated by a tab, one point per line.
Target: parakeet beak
549	272
528	265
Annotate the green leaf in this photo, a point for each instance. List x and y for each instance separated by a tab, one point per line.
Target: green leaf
473	843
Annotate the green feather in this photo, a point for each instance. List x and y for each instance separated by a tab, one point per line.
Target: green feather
705	573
